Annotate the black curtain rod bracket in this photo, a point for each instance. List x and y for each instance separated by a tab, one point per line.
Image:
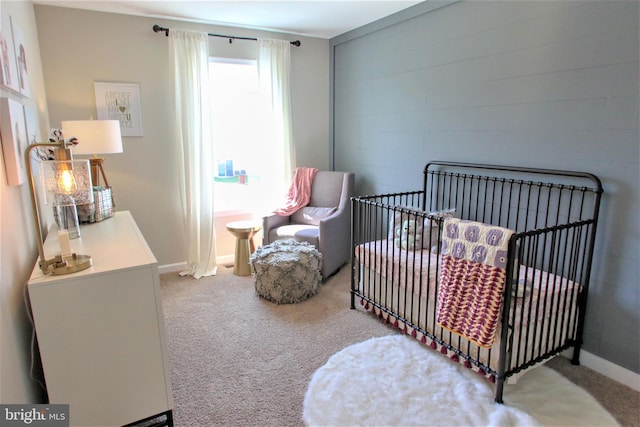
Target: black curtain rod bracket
159	29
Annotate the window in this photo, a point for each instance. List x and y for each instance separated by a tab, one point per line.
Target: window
239	135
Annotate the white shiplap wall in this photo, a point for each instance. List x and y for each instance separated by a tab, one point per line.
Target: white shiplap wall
550	84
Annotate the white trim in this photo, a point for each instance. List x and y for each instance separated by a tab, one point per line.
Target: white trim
401	16
225	60
179	266
611	370
225	259
172	268
608	369
233	212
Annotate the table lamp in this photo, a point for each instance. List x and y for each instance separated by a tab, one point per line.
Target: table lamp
66	183
96	137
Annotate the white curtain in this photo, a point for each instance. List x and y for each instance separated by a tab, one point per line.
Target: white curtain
189	61
274	69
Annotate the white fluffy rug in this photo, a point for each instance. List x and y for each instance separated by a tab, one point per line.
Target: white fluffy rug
396	381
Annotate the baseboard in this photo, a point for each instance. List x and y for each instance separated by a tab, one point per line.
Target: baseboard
179	266
172	268
226	259
608	369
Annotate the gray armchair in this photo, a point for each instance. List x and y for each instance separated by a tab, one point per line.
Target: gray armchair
325	222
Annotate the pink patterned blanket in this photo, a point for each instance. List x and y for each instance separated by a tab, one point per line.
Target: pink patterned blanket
472	279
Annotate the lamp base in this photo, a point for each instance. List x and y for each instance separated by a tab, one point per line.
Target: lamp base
72	264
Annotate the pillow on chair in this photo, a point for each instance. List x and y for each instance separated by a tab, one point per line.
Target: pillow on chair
311	215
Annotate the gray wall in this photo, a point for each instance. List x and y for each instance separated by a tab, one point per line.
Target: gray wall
550	84
96	46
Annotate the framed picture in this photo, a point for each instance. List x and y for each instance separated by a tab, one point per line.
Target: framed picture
8	64
14	140
120	101
21	60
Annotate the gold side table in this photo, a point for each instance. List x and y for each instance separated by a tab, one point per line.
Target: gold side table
244	232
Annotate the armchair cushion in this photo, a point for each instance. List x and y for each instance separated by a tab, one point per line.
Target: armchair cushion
311	215
298	232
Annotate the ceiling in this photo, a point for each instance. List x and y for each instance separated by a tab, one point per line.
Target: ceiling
311	18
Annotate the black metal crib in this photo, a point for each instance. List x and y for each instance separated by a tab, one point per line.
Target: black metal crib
554	215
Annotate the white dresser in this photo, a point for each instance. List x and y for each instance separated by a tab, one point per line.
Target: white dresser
101	331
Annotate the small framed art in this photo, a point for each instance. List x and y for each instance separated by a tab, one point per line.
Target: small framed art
8	65
14	140
120	101
21	59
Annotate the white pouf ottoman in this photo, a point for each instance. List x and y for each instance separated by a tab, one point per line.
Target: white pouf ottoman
286	271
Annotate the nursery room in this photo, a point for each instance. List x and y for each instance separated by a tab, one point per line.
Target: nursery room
410	120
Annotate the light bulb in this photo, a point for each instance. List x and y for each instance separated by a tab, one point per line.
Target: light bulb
66	182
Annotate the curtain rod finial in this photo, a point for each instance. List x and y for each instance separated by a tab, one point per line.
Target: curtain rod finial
157	29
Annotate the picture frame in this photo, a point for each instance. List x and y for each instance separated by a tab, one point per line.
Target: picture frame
14	140
120	101
9	78
21	60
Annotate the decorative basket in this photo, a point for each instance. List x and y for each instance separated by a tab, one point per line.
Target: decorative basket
100	209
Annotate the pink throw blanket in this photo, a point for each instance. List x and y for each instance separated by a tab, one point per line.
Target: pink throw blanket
300	191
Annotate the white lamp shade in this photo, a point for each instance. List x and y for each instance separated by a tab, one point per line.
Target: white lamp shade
94	136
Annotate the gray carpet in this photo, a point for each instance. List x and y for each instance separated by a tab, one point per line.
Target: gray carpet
239	360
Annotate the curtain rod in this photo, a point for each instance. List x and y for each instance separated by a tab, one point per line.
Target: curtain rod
159	29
